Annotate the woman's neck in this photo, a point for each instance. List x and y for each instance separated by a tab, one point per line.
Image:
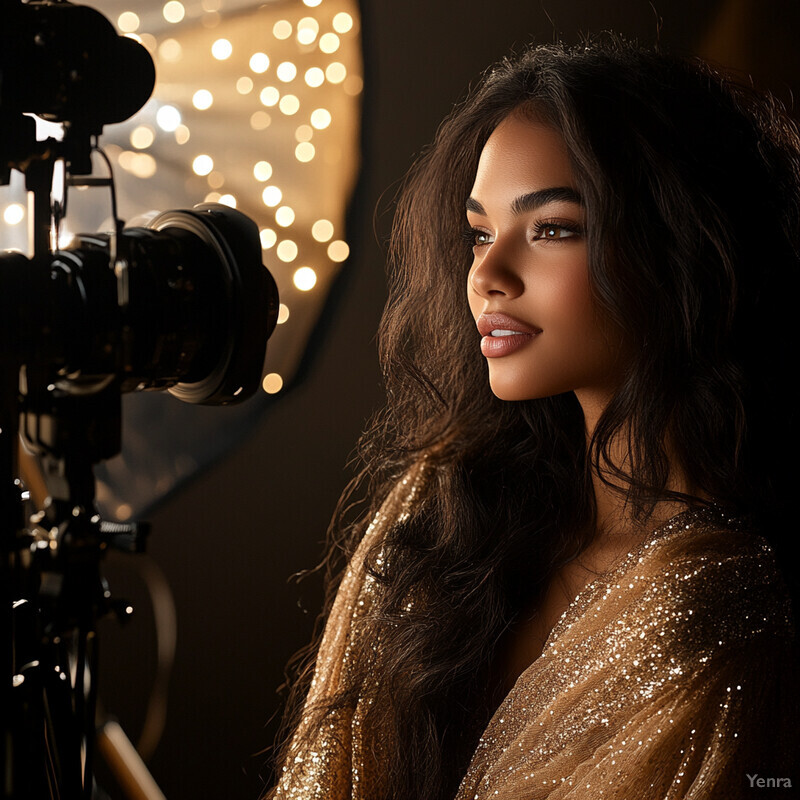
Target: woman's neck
615	520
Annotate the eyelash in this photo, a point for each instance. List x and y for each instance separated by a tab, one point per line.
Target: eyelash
471	234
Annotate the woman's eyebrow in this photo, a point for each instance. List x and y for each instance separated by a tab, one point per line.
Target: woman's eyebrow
532	200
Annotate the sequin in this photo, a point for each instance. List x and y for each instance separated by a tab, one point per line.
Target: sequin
672	676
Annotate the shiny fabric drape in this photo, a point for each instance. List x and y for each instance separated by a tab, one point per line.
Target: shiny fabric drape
671	676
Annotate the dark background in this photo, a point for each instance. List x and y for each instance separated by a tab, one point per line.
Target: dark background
230	541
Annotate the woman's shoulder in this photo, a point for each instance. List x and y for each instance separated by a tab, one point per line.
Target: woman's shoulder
713	575
705	581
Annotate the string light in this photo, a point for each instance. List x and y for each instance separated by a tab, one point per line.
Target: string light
268	238
283	313
168	118
284	216
173	11
244	85
287	250
271	196
338	250
314	77
272	383
304	133
307	30
262	171
320	118
142	137
14	213
322	230
202	165
305	279
289	105
269	96
181	134
222	49
202	99
259	63
282	29
128	22
286	71
149	41
335	72
353	85
142	165
329	43
342	22
304	152
170	50
228	200
260	120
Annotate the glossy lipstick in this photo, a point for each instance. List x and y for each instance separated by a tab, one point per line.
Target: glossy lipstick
503	335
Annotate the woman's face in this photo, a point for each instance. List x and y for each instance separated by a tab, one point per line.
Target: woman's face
528	287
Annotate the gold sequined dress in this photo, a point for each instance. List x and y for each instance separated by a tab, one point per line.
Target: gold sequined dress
671	676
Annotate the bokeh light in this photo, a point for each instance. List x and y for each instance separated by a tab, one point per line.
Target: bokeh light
142	137
289	105
272	383
305	279
342	22
282	29
271	196
307	30
335	72
202	164
329	43
170	50
304	152
14	213
168	118
173	11
287	250
262	171
338	250
202	99
128	22
269	96
286	71
320	118
314	77
222	49
268	238
284	216
259	63
322	230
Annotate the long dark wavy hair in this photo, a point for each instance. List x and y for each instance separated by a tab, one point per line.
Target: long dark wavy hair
691	186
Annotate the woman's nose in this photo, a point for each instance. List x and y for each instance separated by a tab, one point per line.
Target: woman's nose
493	274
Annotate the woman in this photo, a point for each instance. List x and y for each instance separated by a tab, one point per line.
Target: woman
562	590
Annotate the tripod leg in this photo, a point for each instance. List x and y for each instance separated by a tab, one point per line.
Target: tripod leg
123	760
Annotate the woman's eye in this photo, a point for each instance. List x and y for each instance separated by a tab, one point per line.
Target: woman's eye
553	232
477	238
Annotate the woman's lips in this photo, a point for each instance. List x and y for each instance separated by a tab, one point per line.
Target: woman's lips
503	335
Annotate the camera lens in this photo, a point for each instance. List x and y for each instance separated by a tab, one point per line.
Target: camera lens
186	306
